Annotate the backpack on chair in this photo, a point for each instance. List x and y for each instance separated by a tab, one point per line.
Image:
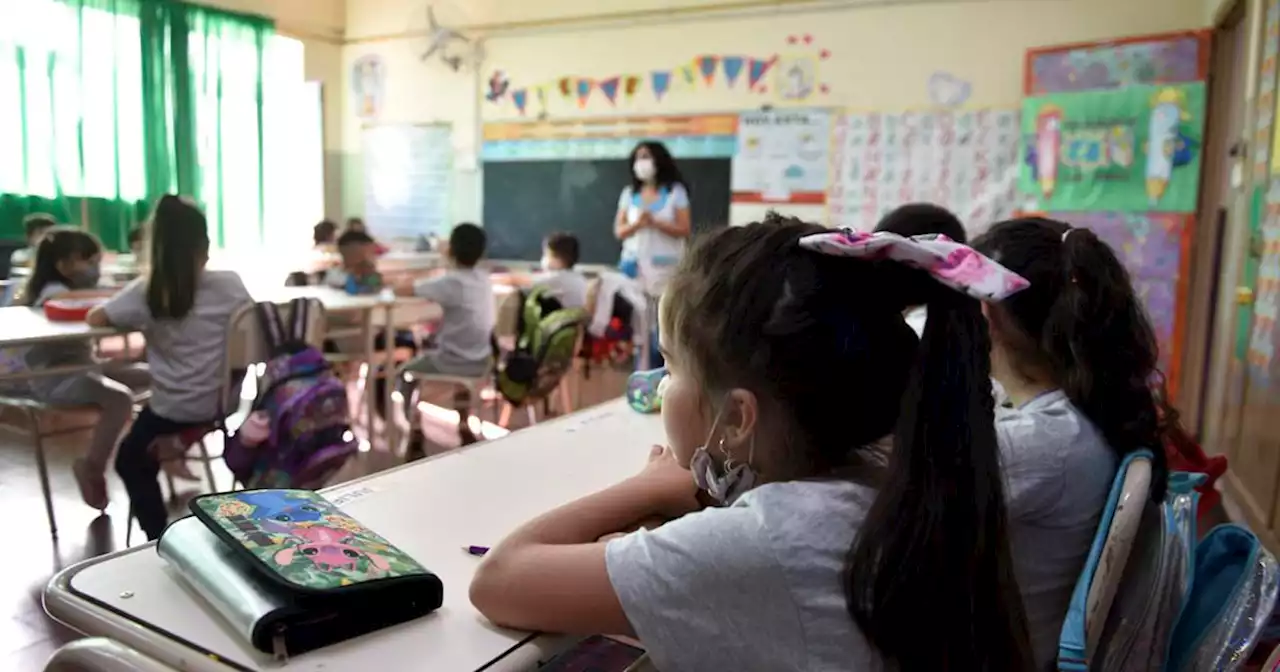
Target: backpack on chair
306	408
544	350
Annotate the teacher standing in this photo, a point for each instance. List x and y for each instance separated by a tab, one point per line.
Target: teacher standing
653	225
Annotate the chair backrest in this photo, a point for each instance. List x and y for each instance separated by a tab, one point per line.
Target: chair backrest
246	344
99	654
1096	588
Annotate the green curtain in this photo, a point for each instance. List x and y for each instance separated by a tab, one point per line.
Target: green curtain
120	101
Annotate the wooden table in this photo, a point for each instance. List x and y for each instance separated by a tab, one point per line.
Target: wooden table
430	509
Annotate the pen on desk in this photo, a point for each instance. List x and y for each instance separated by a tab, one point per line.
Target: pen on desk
476	550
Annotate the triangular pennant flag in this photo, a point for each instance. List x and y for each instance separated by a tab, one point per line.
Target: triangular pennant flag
707	64
584	91
566	88
661	82
609	88
542	99
520	97
686	72
732	68
630	85
756	69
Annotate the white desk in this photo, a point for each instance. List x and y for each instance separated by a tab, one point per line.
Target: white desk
431	509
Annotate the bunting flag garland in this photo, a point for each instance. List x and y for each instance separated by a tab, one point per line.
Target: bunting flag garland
707	65
693	75
661	83
609	88
756	70
732	68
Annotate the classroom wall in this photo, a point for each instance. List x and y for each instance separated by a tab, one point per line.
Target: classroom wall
881	57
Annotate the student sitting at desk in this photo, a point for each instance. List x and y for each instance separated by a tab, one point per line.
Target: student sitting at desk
183	310
825	552
36	226
558	276
67	266
357	224
358	274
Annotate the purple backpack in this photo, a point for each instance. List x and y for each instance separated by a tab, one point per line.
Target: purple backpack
307	408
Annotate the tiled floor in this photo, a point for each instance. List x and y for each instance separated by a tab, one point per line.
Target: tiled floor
27	635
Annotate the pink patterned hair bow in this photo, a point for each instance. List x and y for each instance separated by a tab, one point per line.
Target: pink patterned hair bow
953	264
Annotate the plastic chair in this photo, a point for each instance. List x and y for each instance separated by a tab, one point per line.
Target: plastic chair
99	654
1096	589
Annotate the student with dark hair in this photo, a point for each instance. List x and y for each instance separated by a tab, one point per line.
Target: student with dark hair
183	310
67	267
922	219
825	552
556	275
34	226
1077	356
324	233
359	271
464	291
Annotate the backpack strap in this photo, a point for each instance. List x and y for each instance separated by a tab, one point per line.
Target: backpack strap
272	327
299	319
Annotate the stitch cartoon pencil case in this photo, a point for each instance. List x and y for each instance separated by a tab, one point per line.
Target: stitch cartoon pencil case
291	572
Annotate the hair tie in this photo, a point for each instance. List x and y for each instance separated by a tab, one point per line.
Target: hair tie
953	264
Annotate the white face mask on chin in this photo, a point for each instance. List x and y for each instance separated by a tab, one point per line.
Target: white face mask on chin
644	169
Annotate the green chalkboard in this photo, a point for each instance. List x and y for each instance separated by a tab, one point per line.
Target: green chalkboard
526	200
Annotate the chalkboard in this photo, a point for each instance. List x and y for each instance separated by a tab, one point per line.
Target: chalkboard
526	200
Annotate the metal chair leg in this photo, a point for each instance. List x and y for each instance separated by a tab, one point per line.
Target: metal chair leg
43	467
208	465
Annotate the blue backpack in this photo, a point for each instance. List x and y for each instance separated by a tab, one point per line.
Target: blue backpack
1180	606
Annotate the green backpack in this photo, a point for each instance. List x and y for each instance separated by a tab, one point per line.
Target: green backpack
548	335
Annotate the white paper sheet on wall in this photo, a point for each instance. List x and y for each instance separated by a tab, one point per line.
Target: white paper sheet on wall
965	161
407	180
783	156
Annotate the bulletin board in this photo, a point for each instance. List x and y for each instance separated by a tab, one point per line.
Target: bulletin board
407	176
963	160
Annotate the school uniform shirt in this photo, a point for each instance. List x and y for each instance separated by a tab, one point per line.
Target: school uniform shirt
466	295
1058	471
654	252
753	586
566	286
187	355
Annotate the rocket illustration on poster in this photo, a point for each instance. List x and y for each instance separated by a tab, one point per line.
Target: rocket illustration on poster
1135	149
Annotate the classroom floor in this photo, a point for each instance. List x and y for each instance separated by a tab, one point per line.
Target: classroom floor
29	636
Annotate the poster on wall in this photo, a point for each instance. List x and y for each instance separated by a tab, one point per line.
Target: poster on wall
964	161
407	180
368	86
1135	149
783	157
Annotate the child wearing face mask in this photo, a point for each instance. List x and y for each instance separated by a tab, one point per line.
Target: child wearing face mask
67	263
556	275
824	551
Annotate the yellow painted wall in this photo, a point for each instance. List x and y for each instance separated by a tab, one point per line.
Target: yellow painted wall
882	56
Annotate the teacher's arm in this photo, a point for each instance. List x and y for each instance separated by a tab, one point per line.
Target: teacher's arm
622	229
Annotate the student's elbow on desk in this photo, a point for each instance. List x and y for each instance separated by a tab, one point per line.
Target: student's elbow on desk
97	317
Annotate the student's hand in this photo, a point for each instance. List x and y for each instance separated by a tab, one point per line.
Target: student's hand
671	485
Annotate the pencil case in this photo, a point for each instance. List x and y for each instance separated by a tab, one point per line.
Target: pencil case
291	572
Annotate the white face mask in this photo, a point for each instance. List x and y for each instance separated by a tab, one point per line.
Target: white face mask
644	169
545	263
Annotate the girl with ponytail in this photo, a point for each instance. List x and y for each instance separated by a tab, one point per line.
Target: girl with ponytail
1077	357
824	550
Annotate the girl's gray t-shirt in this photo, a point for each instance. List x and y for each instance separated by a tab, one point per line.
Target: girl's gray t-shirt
752	586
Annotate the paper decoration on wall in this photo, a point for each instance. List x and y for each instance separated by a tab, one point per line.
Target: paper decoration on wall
368	86
498	86
948	90
1178	59
1134	149
965	161
1152	247
699	73
1264	157
712	136
783	157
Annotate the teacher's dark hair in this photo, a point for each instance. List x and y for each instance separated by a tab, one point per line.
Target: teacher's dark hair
666	173
750	309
